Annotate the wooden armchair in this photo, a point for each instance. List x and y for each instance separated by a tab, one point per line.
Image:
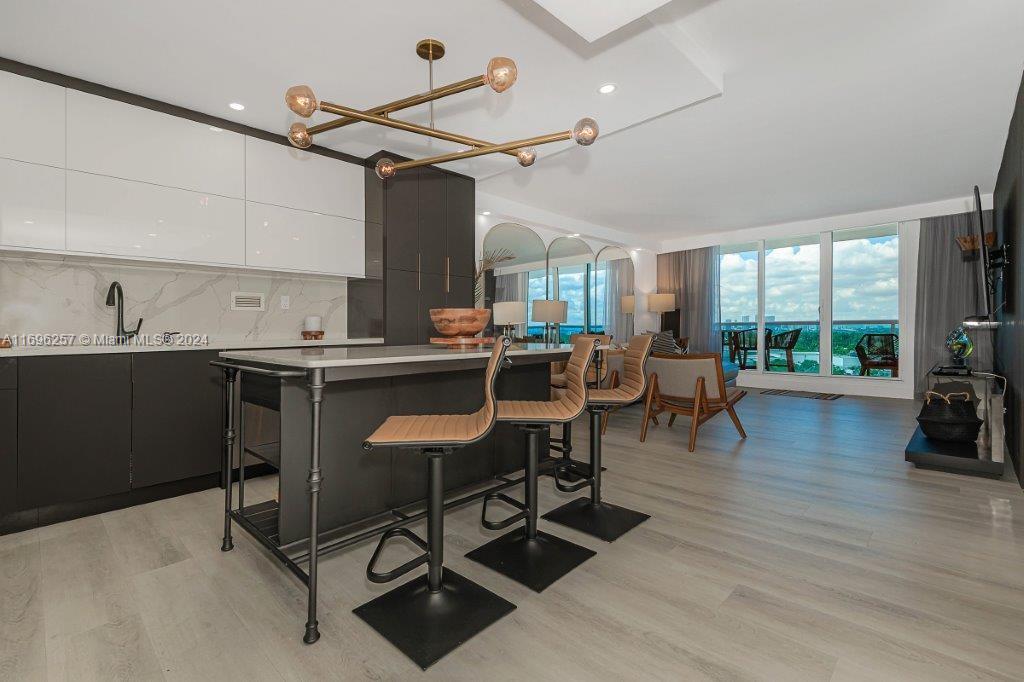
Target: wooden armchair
879	351
692	385
743	345
784	341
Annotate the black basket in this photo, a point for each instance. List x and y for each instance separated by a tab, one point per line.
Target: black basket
951	417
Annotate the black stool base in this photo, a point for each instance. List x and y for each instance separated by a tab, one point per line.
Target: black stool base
606	521
426	627
536	563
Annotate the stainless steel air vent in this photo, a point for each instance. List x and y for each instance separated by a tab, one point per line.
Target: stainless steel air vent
247	300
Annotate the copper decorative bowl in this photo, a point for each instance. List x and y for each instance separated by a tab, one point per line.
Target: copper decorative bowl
460	321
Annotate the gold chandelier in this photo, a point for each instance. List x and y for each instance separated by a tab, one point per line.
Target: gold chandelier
500	76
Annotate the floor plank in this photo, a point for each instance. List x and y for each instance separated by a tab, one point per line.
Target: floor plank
808	551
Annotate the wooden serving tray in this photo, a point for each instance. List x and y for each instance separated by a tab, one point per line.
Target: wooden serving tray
462	340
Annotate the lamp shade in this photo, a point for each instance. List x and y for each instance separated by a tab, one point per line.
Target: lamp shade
661	303
510	312
627	304
550	311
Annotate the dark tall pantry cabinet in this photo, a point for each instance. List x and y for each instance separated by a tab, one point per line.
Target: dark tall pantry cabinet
420	253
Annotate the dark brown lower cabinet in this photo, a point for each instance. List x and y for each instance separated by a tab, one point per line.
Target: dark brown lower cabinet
8	450
74	428
177	416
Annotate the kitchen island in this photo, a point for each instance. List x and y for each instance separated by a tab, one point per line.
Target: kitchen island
332	492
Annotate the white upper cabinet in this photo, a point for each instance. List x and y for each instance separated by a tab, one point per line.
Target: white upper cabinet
285	176
31	120
283	238
112	138
125	218
31	205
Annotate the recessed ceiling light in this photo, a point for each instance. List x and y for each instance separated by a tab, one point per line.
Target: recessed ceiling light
151	234
236	106
218	130
607	88
30	222
486	213
575	234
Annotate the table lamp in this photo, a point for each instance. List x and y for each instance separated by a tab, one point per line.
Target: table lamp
661	304
627	306
509	314
550	312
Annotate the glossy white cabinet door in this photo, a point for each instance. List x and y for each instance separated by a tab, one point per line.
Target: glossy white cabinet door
283	238
125	141
31	120
285	176
31	205
126	218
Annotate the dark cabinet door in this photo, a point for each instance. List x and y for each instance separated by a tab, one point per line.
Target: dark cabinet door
74	428
401	306
432	243
432	295
8	373
460	224
401	209
8	450
460	292
177	413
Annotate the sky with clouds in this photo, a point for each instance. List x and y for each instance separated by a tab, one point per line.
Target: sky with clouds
865	281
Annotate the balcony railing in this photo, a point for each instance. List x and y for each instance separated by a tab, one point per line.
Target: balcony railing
805	356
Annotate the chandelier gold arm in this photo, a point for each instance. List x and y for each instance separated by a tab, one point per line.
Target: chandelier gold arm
405	103
357	115
480	151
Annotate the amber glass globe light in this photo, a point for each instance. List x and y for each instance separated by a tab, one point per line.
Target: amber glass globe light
385	169
501	73
585	131
526	156
299	136
301	100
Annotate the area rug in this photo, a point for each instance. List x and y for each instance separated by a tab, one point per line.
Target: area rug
803	394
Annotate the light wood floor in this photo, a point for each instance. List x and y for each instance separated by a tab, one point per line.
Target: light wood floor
810	551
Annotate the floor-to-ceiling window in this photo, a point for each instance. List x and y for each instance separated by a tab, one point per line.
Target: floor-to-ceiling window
572	288
829	303
865	295
738	274
535	287
792	304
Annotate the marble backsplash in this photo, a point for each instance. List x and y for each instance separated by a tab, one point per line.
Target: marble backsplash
65	295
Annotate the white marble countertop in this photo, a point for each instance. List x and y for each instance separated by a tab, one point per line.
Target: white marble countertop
312	358
73	345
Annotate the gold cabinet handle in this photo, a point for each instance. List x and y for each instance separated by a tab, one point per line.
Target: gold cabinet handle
418	273
447	275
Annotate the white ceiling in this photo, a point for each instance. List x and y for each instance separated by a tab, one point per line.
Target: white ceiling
829	106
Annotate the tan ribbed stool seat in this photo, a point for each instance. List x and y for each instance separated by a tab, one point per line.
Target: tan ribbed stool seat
558	379
568	404
438	430
592	515
634	378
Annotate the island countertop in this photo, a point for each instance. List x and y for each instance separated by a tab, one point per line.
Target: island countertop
322	358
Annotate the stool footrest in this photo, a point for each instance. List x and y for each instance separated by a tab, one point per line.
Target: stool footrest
385	577
570	487
504	523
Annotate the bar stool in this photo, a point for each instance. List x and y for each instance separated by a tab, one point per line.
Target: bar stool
570	469
526	555
592	515
428	617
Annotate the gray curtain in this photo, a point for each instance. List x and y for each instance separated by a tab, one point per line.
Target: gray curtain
618	282
948	290
693	277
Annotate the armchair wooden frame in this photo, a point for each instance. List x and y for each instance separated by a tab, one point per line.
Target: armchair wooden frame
699	407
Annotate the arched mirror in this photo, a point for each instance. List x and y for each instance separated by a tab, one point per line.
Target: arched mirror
570	266
516	276
612	298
